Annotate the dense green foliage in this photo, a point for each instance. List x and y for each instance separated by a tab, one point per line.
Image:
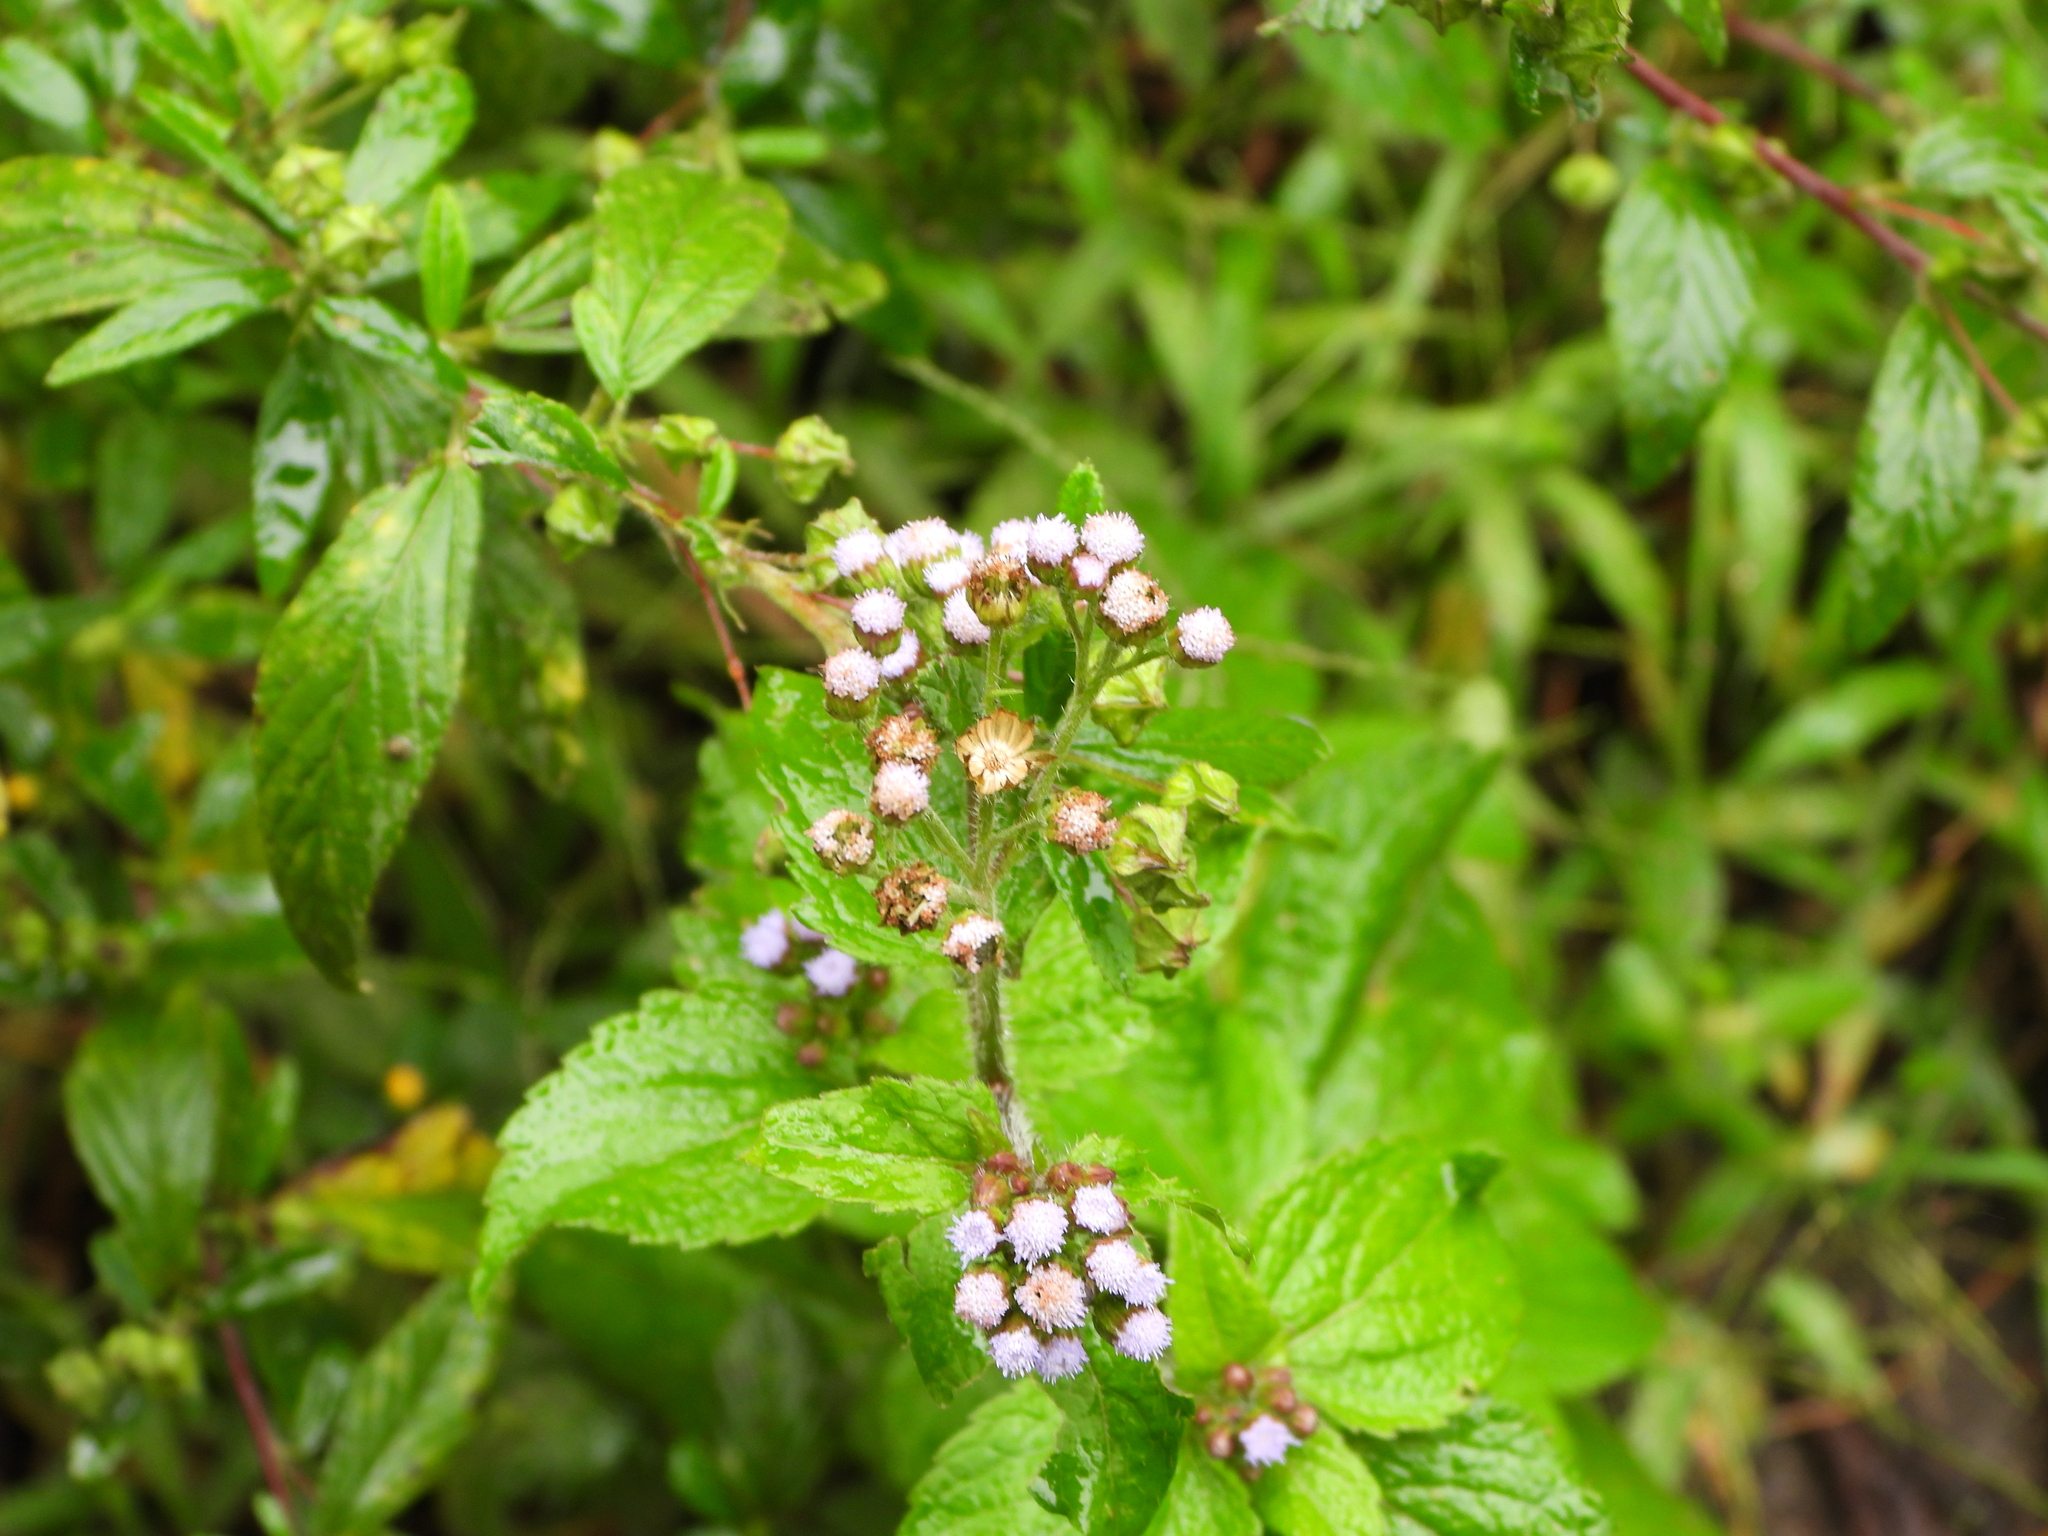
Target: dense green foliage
1560	1000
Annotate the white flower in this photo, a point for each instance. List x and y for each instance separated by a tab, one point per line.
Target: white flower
1053	1296
1036	1230
1012	538
902	661
947	576
859	551
878	612
1114	1265
832	972
902	790
765	941
925	540
971	547
968	942
974	1236
1099	1208
1145	1334
1204	636
1266	1441
1064	1356
1053	540
963	623
852	674
1146	1288
1089	572
982	1298
1113	538
1017	1351
843	839
1133	601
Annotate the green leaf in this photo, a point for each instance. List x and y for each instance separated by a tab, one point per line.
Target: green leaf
652	34
1916	472
142	1106
1986	150
1846	717
1635	1503
1323	1489
408	1406
1082	494
532	429
46	90
678	252
115	771
1750	449
981	1482
1388	807
1396	1294
809	290
896	1145
134	488
1205	1498
528	308
526	681
444	260
378	331
200	135
1704	20
294	457
1251	746
1118	1448
1679	277
1818	1319
1489	1472
1220	1316
180	317
256	38
1586	1321
79	235
917	1276
1616	557
1067	1023
419	121
1328	15
1104	921
167	31
640	1131
357	685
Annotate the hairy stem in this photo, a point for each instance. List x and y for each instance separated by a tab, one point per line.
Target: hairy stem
991	1056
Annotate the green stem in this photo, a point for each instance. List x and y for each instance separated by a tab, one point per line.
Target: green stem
991	1056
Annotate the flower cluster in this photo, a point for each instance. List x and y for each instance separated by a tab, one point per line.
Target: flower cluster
841	988
1255	1419
1071	1254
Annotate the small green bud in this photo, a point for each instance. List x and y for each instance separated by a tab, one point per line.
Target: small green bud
581	518
1208	795
610	152
354	239
163	1360
1130	699
828	528
998	590
1167	940
1151	855
79	1381
28	939
807	455
430	40
1586	182
364	46
684	439
307	181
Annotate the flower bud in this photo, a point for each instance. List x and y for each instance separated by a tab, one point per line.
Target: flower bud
1064	1356
1052	543
1283	1400
1063	1177
689	440
1222	1444
844	840
610	152
1237	1378
364	46
1114	538
982	1298
1208	796
807	455
963	624
851	678
1016	1350
307	181
810	1056
1585	182
990	1190
912	898
1202	637
1133	607
1080	819
579	518
1305	1420
998	590
1166	940
877	616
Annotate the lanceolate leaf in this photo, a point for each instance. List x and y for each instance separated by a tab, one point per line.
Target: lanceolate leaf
165	31
294	454
358	682
376	330
1916	471
45	89
678	252
895	1145
444	260
170	321
1489	1472
198	134
1679	277
408	1406
529	308
640	1131
532	429
418	122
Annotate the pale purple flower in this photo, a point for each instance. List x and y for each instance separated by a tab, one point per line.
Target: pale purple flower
1145	1334
1012	538
1205	636
1053	1296
861	550
1053	540
1114	1265
1113	538
974	1236
982	1298
832	972
925	540
1099	1208
804	935
1089	572
1016	1351
967	943
765	941
1036	1230
1133	601
963	623
1146	1288
971	547
877	612
1266	1441
852	674
1064	1356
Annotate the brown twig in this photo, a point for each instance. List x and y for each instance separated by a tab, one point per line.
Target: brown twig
1771	40
734	667
1927	216
1957	329
249	1394
751	450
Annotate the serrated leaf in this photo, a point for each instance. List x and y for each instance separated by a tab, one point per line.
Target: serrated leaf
678	252
1489	1472
79	235
1105	923
1065	1021
1679	277
444	260
1250	745
1395	1292
1220	1316
1986	150
179	317
980	1483
167	32
408	1406
917	1276
1916	472
358	682
526	681
46	90
258	41
897	1145
1205	1498
294	457
420	119
810	289
640	1131
532	429
201	135
528	308
1082	494
1323	1489
1118	1447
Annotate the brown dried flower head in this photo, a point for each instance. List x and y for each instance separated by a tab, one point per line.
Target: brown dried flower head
1081	820
997	589
912	898
844	840
904	738
996	751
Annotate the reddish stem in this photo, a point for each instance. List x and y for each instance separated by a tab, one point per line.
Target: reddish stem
1786	46
1956	328
1924	216
734	667
751	450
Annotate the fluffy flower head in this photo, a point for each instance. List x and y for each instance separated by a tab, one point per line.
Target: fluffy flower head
963	623
1133	602
968	942
1145	1334
925	540
1016	1351
1114	538
1081	821
947	576
982	1298
912	898
1266	1441
1036	1230
1053	541
1146	1288
902	661
852	674
974	1236
1053	1296
861	550
1064	1356
1100	1208
1011	538
877	612
1089	573
904	738
901	791
1113	1266
832	972
844	840
1203	637
765	941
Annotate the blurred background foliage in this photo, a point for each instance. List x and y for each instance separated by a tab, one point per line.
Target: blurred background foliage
1769	1024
